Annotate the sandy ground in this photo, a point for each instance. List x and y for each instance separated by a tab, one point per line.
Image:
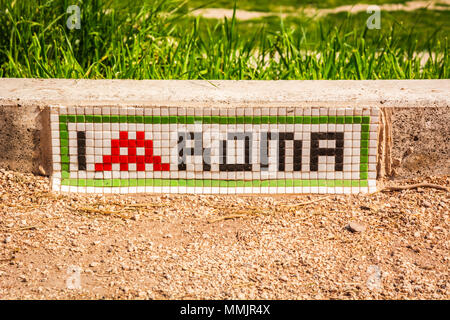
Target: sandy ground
222	247
220	13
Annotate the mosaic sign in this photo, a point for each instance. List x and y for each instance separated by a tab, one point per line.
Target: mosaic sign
199	150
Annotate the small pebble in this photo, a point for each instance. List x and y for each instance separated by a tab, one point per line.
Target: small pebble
7	239
426	204
356	227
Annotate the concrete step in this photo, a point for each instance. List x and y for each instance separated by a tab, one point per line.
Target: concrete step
224	136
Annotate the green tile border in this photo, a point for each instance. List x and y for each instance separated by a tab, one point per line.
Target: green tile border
365	120
211	183
64	142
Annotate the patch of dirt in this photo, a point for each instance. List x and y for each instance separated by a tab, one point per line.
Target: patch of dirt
243	15
222	247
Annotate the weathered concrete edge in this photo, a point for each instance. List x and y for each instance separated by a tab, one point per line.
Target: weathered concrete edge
25	119
200	93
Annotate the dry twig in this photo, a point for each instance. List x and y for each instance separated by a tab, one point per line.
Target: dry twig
307	202
414	186
229	217
34	227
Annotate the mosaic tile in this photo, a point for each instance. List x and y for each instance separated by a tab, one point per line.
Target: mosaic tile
224	151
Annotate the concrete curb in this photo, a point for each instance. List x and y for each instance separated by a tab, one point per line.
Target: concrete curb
199	93
414	131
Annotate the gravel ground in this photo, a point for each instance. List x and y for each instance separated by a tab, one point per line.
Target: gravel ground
388	245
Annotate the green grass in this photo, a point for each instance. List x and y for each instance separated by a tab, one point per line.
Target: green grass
157	40
420	29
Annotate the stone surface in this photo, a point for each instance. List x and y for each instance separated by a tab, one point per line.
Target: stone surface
198	93
413	104
421	139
